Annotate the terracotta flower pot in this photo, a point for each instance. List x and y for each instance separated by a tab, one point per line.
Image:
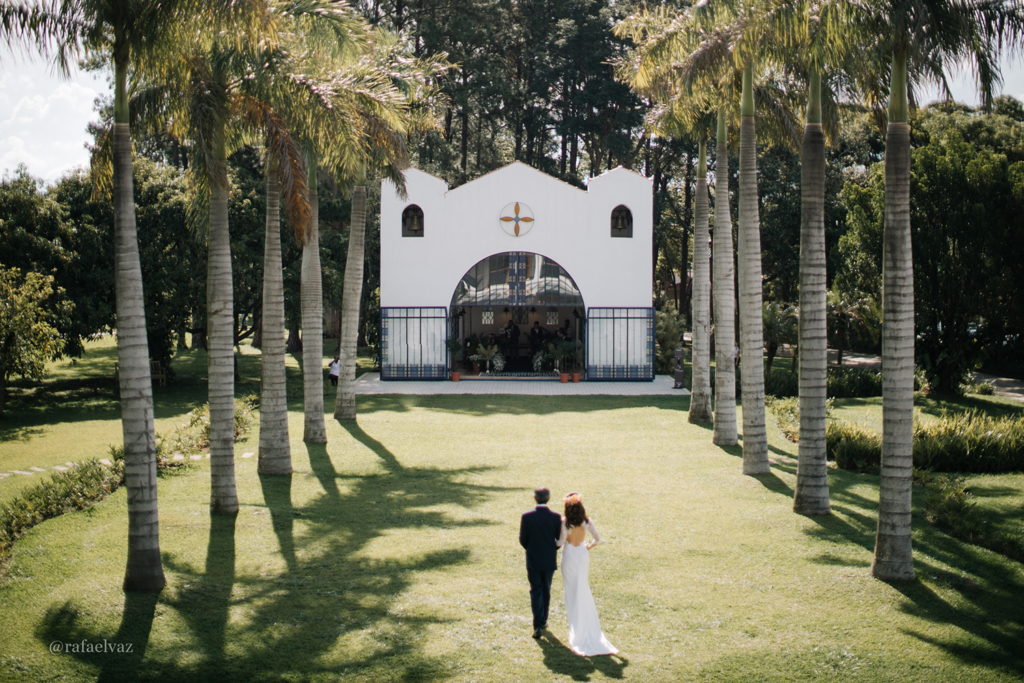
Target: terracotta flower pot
576	377
563	377
456	376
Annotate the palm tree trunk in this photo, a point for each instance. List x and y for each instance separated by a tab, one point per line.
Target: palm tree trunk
725	296
811	497
700	400
755	436
275	456
311	294
352	294
220	344
893	558
144	571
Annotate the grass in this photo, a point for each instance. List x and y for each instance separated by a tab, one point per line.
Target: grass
391	555
73	414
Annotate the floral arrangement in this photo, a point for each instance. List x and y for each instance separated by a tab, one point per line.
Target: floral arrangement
574	499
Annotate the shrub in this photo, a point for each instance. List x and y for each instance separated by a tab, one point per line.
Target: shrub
980	388
75	489
970	442
843	382
194	435
853	447
846	382
668	332
781	384
965	442
948	505
787	414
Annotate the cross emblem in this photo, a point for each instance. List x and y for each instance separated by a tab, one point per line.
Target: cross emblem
518	217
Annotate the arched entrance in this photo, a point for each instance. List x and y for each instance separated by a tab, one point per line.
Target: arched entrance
520	302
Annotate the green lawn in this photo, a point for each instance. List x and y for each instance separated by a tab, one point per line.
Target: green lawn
73	414
392	555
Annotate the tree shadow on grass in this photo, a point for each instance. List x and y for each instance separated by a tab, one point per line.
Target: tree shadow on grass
114	656
988	606
988	610
560	659
328	601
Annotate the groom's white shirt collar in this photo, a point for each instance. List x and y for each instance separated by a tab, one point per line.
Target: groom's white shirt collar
542	505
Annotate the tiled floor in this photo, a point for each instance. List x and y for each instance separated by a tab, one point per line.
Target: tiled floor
371	383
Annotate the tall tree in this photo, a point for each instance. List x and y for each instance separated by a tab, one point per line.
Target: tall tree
933	35
755	435
700	399
725	295
133	36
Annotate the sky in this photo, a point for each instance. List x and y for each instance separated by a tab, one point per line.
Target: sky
43	118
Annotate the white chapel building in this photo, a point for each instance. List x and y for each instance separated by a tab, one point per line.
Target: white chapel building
516	250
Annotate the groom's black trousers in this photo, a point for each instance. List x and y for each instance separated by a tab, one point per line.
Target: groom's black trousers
540	594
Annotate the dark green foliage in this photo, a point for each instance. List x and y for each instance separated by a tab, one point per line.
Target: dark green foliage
949	505
964	442
967	195
781	383
75	489
970	442
844	382
847	382
63	233
194	435
668	333
852	446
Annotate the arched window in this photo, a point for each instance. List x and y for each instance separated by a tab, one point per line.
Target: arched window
622	222
412	221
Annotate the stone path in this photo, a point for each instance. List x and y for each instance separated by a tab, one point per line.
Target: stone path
370	383
1004	386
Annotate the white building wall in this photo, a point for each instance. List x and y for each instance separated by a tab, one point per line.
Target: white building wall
572	227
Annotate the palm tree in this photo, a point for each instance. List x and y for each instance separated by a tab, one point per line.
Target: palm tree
275	449
311	293
700	400
928	35
385	128
811	496
725	295
352	293
701	49
755	434
133	36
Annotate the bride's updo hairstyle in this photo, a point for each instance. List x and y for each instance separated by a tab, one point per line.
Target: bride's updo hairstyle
575	515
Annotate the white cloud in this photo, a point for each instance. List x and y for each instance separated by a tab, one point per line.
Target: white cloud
43	118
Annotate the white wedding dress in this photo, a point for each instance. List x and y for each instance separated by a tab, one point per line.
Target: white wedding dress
585	636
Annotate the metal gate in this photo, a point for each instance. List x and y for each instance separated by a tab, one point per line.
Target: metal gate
620	344
413	343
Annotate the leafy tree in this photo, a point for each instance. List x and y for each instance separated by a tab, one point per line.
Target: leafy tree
27	339
61	232
850	313
780	327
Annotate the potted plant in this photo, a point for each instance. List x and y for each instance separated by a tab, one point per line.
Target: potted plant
454	346
472	342
562	350
577	360
486	353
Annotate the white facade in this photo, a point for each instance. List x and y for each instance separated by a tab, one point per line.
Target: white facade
462	227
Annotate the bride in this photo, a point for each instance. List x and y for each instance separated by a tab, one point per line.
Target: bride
585	636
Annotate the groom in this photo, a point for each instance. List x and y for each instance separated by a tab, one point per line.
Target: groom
539	532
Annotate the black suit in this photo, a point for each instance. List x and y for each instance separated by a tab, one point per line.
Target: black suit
539	531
